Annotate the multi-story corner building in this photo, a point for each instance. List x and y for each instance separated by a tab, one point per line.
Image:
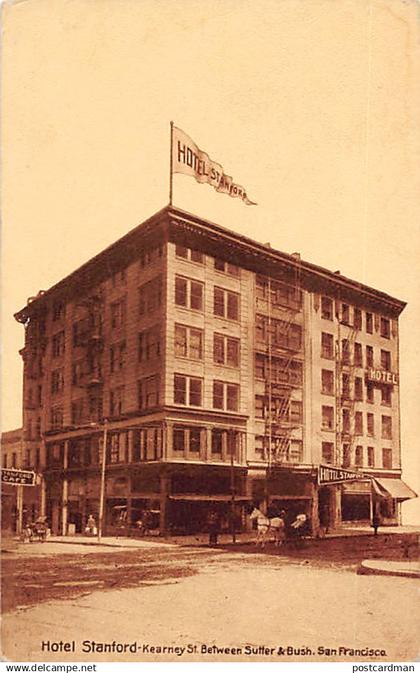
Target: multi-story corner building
222	367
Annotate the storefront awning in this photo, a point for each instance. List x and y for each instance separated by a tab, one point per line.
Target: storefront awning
290	497
395	488
208	498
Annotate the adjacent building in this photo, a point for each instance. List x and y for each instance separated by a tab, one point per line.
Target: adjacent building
216	368
19	503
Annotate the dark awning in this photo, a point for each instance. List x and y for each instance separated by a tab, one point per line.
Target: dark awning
208	498
395	488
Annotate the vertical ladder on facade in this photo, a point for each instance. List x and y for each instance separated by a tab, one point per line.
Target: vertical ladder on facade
279	442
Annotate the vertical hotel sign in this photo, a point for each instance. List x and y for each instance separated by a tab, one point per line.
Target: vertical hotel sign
189	159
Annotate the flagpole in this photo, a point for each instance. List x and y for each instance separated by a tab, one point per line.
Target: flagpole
171	165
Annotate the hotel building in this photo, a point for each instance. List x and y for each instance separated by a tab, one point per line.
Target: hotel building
224	369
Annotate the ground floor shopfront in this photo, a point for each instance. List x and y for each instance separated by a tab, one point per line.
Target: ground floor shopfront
20	505
178	497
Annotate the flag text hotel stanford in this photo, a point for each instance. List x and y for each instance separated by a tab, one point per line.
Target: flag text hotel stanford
224	368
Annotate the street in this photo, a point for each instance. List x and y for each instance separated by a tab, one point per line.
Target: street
162	602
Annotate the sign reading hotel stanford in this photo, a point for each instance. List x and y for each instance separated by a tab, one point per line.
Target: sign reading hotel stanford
328	474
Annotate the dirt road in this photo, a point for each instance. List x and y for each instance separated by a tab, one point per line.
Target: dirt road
171	603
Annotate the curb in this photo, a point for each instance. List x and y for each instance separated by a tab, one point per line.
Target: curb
366	568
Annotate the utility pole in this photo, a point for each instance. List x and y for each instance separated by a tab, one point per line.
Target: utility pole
232	448
102	493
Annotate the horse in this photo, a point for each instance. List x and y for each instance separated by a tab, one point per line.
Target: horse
265	525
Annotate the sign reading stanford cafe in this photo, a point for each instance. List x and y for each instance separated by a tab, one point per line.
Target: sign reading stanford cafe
18	477
328	474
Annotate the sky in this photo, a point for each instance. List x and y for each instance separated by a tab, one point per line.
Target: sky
311	105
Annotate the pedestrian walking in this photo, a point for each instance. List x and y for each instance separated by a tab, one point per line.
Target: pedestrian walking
213	523
376	522
91	526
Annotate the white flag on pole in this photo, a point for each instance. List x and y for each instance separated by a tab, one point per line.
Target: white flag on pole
187	158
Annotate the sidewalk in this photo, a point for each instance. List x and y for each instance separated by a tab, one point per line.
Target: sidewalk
394	568
201	539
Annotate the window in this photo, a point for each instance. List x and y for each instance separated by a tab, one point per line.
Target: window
296	412
118	313
58	311
77	412
225	350
385	329
369	356
149	344
151	255
57	381
295	451
150	296
189	293
56	418
358	456
387	458
259	406
117	354
226	304
345	351
283	334
327	345
187	439
345	314
346	421
58	345
370	425
188	390
327	452
283	294
357	318
188	342
148	392
188	253
327	418
386	360
115	449
386	427
358	355
226	267
327	382
369	323
14	459
77	372
217	442
116	401
371	456
370	392
179	439
181	251
358	423
345	386
327	310
386	394
358	389
346	455
225	396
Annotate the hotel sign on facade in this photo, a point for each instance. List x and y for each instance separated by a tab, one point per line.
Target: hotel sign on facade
328	474
382	376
